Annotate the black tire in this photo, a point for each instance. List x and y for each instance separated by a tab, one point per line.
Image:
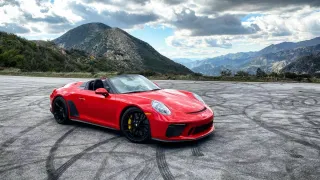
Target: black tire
138	131
60	111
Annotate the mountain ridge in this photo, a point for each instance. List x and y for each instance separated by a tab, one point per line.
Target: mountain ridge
114	44
271	58
288	45
304	65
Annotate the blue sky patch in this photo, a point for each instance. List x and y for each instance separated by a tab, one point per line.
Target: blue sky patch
248	16
155	36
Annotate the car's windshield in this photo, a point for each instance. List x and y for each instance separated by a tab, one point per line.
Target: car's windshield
132	84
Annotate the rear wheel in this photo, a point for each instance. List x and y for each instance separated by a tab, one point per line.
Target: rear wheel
135	125
60	110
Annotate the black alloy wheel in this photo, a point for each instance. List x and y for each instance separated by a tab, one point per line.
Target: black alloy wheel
60	110
135	125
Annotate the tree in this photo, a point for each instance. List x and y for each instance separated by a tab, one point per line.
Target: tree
274	74
290	75
226	72
260	73
242	74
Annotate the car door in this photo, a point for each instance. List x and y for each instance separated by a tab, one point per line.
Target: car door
98	109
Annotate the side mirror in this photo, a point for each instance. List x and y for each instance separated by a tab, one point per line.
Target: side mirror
102	91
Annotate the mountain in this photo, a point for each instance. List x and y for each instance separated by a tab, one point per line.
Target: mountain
117	46
213	66
209	69
274	62
182	60
304	65
27	55
189	63
229	59
271	59
288	45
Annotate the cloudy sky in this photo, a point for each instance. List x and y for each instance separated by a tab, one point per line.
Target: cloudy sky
176	28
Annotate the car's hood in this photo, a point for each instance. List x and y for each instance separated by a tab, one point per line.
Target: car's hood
174	100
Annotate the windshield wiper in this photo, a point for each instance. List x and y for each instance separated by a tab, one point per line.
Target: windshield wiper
155	89
134	92
141	91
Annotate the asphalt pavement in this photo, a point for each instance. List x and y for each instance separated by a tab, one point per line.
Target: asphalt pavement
263	131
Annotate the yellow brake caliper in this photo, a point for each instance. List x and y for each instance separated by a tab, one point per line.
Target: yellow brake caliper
129	122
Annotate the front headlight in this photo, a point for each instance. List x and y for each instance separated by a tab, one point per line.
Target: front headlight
160	107
198	97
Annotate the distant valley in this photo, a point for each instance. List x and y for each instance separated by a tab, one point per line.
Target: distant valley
301	57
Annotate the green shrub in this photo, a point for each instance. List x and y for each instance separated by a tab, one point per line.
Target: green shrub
290	75
242	74
197	74
260	73
226	72
147	73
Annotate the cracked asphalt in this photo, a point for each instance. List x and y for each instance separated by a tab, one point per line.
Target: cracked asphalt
263	131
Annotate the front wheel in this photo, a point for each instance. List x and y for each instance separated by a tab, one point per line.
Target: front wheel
135	125
60	110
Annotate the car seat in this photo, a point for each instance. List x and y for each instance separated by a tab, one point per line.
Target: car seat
97	84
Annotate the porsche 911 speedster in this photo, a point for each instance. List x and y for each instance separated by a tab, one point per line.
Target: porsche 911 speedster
136	106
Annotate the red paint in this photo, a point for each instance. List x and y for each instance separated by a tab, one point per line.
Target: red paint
106	110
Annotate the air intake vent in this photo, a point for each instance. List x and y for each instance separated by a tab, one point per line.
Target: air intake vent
195	112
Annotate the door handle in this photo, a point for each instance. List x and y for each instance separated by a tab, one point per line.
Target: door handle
82	99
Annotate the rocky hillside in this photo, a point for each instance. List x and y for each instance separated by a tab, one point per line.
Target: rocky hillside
126	52
304	65
27	55
274	62
271	59
288	45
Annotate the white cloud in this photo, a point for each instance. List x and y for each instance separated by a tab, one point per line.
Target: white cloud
201	27
198	42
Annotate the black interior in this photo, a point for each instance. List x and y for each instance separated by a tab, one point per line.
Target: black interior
90	86
97	84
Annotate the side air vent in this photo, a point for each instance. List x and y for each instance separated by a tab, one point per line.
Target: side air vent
73	109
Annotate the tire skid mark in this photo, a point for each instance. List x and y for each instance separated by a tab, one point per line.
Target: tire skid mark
28	92
101	168
258	121
186	173
14	115
104	163
196	151
163	165
126	167
40	104
314	115
8	142
146	171
17	166
38	101
51	172
55	174
20	166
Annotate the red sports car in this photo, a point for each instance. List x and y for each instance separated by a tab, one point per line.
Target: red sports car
136	106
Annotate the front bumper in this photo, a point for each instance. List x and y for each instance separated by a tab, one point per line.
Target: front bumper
168	129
